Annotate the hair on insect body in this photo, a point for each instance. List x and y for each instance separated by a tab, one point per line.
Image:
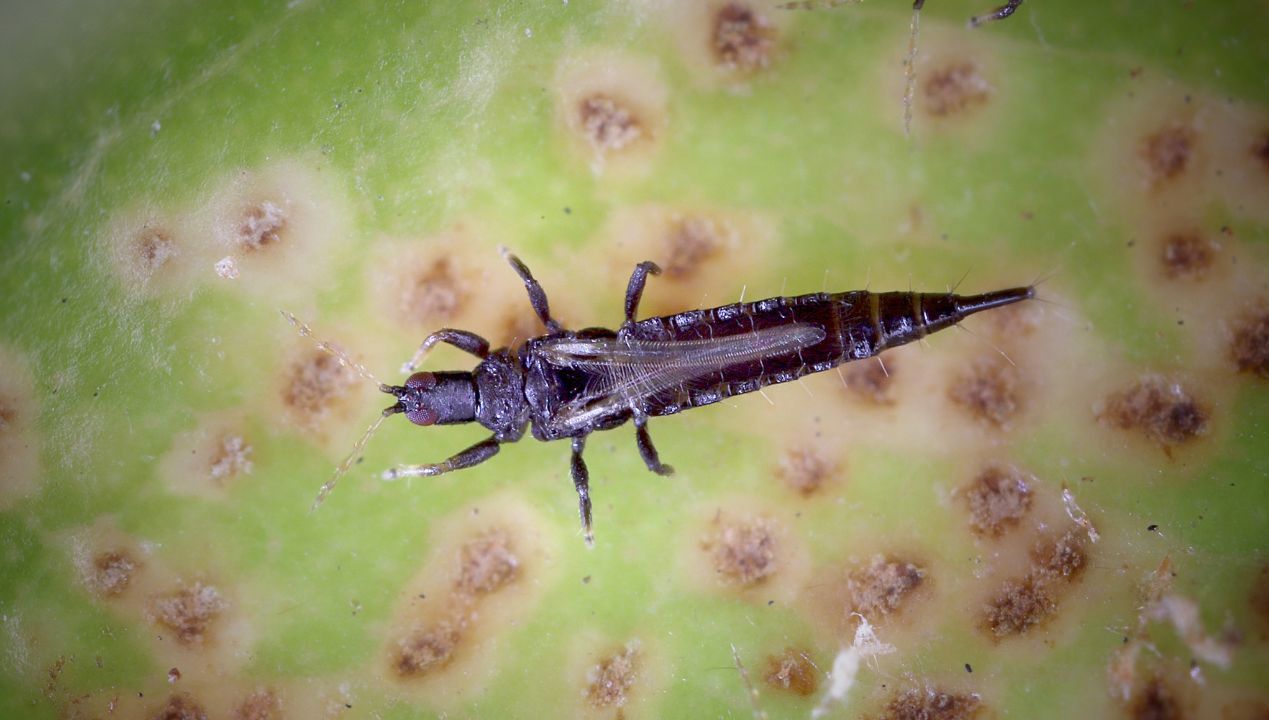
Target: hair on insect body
567	384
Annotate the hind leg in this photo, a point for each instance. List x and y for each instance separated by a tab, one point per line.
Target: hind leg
581	483
647	450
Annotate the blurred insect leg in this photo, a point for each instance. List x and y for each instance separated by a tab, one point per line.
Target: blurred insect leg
474	455
647	450
537	296
581	482
634	291
461	339
999	13
816	4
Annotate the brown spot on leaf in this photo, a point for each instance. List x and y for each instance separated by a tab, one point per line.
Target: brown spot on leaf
804	470
608	124
434	294
990	390
744	552
954	88
1157	700
792	671
8	414
1245	710
608	683
488	563
314	384
1018	606
691	242
1159	408
881	586
259	705
931	703
1061	558
998	498
743	40
1021	604
1187	255
54	677
1168	152
231	459
180	706
1249	346
261	226
871	381
111	572
427	650
1260	149
188	612
152	249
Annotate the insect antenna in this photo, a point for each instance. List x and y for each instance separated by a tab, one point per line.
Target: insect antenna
343	467
334	351
346	361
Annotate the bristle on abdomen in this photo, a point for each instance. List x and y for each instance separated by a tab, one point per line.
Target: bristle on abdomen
901	317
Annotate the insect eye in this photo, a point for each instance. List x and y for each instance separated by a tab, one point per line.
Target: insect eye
421	381
420	415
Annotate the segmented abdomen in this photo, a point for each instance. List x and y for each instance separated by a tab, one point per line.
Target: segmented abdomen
855	325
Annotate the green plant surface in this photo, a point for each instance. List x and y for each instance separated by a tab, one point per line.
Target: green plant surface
175	174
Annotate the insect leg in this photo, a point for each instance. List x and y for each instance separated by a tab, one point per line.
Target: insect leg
461	339
647	450
999	13
473	455
537	296
581	482
634	291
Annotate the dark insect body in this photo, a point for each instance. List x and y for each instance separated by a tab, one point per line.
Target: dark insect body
568	384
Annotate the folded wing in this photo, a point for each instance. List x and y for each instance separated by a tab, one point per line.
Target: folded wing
622	370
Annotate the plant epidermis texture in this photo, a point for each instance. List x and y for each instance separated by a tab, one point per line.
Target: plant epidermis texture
1074	485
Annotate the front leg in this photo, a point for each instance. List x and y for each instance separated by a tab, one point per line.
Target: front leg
474	455
581	482
461	339
537	296
634	291
647	450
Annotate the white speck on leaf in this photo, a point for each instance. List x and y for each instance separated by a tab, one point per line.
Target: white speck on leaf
846	665
227	268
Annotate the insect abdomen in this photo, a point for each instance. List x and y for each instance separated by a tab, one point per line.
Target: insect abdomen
855	325
872	322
